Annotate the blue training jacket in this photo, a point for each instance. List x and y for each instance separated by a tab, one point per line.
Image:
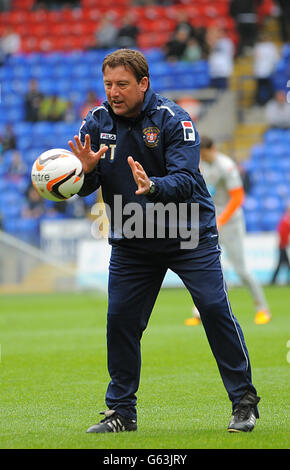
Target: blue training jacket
164	140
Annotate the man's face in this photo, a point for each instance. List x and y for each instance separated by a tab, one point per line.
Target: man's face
125	95
207	155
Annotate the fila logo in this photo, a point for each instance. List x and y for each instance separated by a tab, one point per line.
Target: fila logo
104	135
188	130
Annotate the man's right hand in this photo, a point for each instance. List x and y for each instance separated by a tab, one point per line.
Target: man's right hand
87	156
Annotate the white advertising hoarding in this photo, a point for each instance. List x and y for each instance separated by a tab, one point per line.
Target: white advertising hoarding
261	255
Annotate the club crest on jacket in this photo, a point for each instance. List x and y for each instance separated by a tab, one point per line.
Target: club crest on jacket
151	136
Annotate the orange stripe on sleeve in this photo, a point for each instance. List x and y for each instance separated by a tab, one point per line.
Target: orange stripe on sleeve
236	200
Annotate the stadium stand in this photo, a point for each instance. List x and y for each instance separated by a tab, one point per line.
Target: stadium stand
56	51
269	172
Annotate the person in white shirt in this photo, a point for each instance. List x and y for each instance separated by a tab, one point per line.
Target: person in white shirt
266	56
221	57
10	43
225	185
277	111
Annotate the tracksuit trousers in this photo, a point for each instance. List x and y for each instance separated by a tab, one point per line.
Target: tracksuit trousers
134	283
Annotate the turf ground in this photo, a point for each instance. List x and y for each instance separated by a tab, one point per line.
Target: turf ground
54	377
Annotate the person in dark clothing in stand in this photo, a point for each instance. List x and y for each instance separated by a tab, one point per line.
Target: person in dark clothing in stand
128	33
175	48
284	19
33	100
245	15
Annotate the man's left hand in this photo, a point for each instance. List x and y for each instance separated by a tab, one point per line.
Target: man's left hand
140	176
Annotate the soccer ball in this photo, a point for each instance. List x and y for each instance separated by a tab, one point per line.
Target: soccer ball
57	174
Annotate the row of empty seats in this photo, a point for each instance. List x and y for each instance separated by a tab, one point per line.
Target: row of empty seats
269	171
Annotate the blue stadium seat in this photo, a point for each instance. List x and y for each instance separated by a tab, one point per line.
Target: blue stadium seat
252	220
282	189
48	141
16	59
47	86
31	154
63	70
54	58
6	73
42	128
272	203
285	51
18	86
3	171
259	190
201	66
10	224
12	100
28	230
160	69
24	142
274	176
22	128
60	128
5	184
167	83
180	68
35	58
202	80
13	113
42	71
82	86
22	72
287	138
92	58
154	55
10	199
185	81
250	165
72	128
98	87
273	136
258	152
62	87
77	57
22	183
277	151
251	203
6	87
82	70
270	219
7	157
11	210
256	175
284	164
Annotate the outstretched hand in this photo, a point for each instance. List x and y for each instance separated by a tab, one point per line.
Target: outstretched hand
87	156
140	176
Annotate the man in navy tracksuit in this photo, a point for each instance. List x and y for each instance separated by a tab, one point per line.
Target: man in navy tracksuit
144	149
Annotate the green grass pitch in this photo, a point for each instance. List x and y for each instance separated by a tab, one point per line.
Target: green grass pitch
54	375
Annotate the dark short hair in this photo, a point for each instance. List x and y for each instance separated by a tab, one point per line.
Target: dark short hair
129	58
206	142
